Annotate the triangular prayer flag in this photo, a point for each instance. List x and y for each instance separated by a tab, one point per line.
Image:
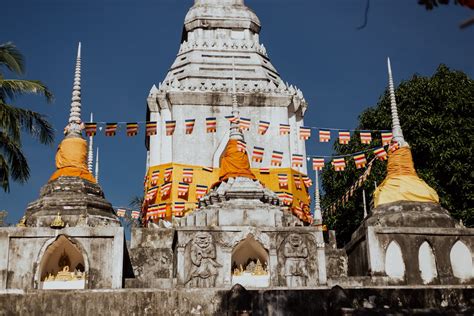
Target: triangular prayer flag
365	137
91	129
318	164
305	133
170	127
211	124
297	160
121	212
151	194
183	189
339	164
135	214
241	146
154	177
189	125
132	129
381	153
344	137
324	135
298	181
165	189
110	129
263	127
277	157
283	180
168	174
284	129
244	124
152	211
201	190
178	209
386	138
188	174
231	118
161	210
257	154
151	128
307	181
360	161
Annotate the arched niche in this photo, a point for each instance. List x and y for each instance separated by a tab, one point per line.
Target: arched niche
427	263
394	265
461	261
250	264
62	266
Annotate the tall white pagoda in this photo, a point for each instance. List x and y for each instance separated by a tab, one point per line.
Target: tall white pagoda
220	40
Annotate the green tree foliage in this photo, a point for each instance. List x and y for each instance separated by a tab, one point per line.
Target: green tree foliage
15	120
437	120
430	4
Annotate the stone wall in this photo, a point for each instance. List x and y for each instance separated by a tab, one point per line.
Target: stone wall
24	248
323	301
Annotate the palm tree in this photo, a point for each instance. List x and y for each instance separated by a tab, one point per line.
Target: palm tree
15	120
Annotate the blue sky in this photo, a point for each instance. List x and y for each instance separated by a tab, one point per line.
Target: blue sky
128	45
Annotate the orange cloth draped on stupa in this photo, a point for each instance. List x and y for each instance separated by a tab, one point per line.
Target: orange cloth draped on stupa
71	160
234	163
402	182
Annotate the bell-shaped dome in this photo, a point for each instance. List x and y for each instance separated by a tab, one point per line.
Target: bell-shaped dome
226	14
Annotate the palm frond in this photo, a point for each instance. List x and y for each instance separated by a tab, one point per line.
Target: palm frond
4	174
19	169
11	58
13	118
9	122
11	88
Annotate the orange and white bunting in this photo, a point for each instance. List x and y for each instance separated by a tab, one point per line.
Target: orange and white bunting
365	137
344	137
189	126
201	190
188	174
386	138
305	133
318	164
263	127
284	129
360	161
257	154
339	164
283	180
380	153
297	160
183	189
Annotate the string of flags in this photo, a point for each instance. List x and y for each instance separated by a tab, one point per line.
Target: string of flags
304	132
122	212
354	187
360	162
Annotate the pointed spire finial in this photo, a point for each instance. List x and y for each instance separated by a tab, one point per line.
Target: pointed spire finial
97	166
318	217
396	127
75	126
90	154
235	132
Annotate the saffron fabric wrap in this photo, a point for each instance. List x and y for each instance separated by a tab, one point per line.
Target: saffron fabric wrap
402	182
71	160
234	163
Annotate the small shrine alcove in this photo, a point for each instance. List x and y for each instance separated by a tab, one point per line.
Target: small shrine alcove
250	264
62	266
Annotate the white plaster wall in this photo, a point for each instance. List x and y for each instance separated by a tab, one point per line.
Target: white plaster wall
204	149
461	261
427	262
394	265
